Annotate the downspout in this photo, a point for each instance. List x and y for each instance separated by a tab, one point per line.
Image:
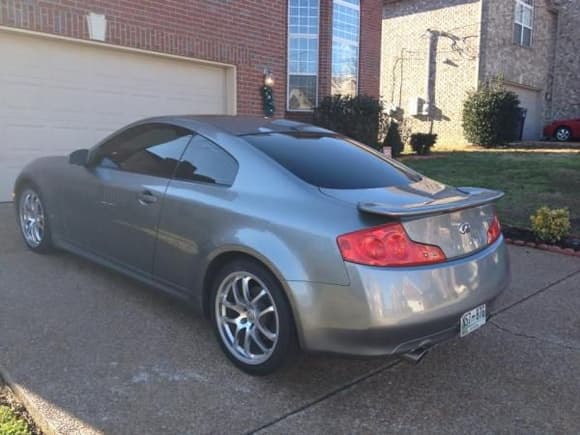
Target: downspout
479	64
430	85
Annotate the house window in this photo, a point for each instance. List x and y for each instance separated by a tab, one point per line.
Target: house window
303	54
345	46
523	22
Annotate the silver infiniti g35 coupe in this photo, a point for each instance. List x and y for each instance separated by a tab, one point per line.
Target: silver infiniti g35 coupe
286	235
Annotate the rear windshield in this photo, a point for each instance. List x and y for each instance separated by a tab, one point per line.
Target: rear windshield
330	161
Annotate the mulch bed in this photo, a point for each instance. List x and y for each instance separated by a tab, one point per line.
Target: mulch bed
7	398
525	237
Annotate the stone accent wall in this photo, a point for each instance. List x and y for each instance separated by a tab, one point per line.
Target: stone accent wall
453	58
565	95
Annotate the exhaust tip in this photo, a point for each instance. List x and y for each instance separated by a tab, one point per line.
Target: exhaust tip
415	356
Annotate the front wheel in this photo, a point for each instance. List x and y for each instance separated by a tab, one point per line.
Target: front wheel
252	318
563	134
33	220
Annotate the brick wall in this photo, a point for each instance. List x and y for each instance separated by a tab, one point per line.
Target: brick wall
453	58
370	47
248	34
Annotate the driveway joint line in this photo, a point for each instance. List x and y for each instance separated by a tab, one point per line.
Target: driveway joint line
326	396
537	292
533	337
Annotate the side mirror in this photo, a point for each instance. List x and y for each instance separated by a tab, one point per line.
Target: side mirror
79	157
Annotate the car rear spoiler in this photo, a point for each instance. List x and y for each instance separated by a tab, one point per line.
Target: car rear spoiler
472	197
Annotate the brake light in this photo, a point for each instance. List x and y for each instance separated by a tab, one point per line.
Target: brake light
387	245
494	230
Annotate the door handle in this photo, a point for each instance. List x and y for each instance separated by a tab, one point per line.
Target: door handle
146	197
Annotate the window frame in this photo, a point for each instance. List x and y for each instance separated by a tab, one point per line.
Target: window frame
94	154
530	7
307	36
347	42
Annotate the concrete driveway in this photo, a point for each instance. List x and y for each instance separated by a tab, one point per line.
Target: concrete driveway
93	352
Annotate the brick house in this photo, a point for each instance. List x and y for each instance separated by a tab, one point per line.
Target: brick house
435	51
73	71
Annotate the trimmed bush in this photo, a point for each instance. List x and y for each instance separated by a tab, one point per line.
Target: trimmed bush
393	139
360	118
491	116
551	225
421	143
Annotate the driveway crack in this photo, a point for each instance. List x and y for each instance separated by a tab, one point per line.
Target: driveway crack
537	292
533	337
328	395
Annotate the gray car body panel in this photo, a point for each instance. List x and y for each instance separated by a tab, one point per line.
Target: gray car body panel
269	214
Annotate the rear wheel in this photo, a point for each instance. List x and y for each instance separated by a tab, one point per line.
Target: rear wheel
252	318
33	220
562	134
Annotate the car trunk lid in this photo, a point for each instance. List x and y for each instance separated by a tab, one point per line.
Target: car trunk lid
455	219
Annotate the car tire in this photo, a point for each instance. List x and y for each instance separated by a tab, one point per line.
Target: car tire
33	220
252	318
563	134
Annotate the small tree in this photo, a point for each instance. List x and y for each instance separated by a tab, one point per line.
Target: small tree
491	115
360	117
393	138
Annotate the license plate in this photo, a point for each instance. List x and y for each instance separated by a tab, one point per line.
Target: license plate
472	320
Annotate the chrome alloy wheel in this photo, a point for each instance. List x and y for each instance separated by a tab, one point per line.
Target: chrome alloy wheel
247	317
32	219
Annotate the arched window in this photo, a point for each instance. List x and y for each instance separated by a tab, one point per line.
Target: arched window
345	46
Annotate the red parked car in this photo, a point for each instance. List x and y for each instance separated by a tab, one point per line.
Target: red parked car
563	130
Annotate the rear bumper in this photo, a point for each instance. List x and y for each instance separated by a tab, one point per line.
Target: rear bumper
388	311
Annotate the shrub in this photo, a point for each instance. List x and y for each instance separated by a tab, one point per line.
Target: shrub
422	142
393	139
360	117
10	424
551	225
491	115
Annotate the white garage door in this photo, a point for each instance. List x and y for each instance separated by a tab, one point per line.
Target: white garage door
530	100
59	95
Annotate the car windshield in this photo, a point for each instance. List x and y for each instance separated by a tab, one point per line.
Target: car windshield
331	161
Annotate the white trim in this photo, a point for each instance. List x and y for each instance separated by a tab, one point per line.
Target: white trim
290	36
231	70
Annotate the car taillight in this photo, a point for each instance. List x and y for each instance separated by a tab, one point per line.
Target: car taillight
387	245
494	230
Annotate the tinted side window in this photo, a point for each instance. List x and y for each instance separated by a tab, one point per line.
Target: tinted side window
330	161
152	149
206	162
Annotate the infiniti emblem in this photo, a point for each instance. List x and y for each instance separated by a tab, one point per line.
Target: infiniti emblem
464	228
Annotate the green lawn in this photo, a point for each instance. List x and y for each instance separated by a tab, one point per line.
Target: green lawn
528	179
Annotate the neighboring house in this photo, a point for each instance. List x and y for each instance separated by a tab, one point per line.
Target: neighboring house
74	71
435	51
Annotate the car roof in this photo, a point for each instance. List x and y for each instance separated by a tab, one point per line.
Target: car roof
240	125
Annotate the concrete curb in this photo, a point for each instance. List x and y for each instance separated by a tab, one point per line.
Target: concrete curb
34	413
544	247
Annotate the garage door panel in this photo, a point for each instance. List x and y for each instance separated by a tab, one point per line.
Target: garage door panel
57	96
